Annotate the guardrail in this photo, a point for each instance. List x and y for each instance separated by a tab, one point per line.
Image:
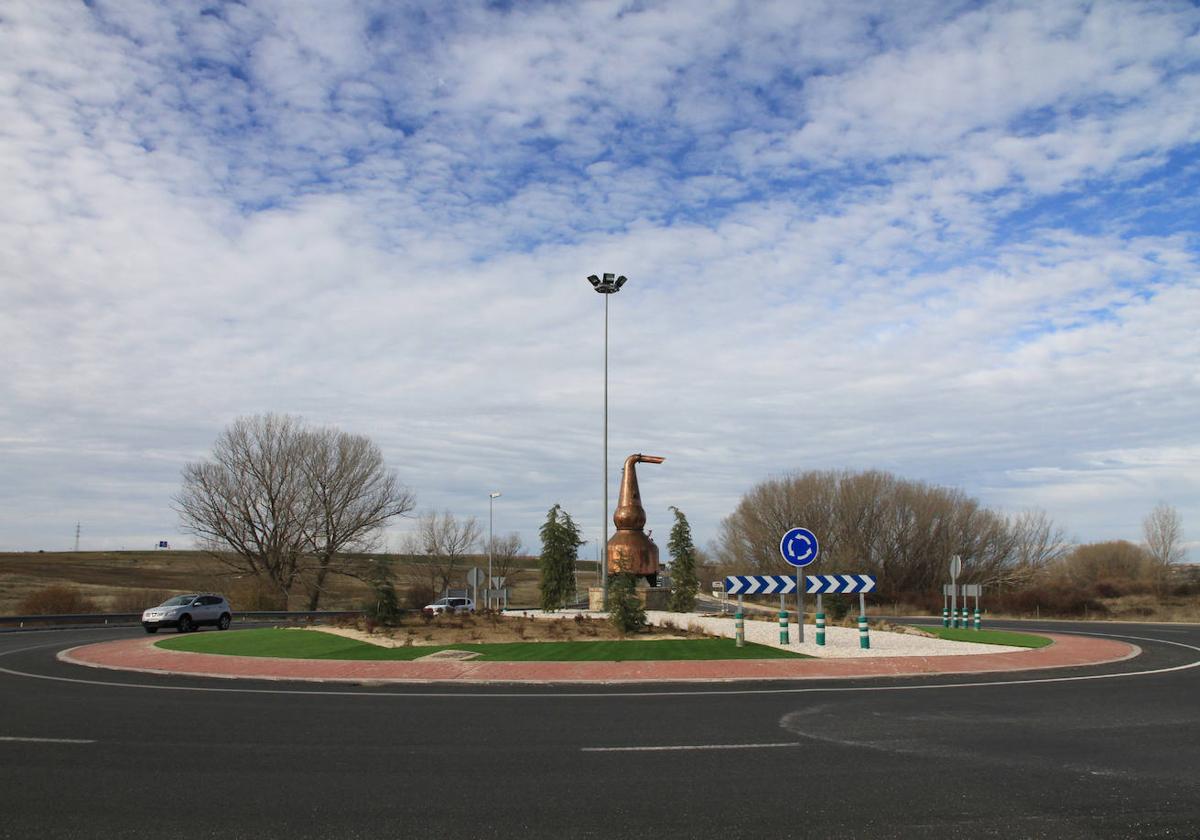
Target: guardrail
17	622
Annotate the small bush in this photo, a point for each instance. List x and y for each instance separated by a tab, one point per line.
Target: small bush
626	611
56	600
136	600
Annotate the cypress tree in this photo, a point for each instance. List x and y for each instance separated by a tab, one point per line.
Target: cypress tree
625	609
684	584
560	550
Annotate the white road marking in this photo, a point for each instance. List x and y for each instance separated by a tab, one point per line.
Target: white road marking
566	695
694	747
11	738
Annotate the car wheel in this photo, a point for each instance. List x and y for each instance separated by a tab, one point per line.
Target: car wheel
223	621
151	629
186	625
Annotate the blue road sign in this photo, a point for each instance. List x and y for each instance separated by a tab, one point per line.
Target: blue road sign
799	547
786	584
759	585
828	584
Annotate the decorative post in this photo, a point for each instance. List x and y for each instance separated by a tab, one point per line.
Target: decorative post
864	641
783	622
945	616
820	622
739	624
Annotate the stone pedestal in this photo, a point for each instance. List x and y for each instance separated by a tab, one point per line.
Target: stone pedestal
654	599
596	598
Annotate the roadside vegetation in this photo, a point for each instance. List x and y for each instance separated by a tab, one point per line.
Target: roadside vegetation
302	644
989	637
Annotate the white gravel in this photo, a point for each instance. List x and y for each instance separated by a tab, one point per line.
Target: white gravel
840	642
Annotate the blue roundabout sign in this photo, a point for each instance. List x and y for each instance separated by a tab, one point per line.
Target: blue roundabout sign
799	547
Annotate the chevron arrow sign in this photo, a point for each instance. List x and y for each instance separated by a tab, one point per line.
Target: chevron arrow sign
785	585
759	585
827	584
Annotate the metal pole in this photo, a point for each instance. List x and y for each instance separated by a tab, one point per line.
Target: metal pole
864	640
820	621
800	605
491	544
739	624
604	545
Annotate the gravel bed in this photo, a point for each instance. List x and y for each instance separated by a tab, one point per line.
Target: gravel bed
840	642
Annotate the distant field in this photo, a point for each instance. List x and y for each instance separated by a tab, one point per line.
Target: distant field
123	581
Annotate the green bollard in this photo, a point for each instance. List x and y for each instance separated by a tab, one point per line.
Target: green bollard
821	629
945	616
864	641
783	628
977	620
739	623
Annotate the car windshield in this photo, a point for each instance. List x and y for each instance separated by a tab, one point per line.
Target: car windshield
178	601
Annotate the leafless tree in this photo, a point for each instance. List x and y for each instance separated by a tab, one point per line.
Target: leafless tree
355	495
1037	545
902	531
278	500
441	544
506	552
1163	530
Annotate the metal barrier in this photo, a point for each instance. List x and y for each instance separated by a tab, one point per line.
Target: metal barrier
19	622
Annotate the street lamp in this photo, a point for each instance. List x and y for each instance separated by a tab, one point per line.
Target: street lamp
491	545
609	285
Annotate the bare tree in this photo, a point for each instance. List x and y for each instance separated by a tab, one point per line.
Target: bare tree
355	495
444	542
1163	530
278	500
1037	545
506	552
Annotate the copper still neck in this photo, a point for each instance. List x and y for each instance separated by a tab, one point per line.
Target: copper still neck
630	515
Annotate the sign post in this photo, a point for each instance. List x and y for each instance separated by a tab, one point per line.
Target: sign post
955	568
475	577
799	548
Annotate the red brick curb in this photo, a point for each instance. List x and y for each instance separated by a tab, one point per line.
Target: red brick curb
141	655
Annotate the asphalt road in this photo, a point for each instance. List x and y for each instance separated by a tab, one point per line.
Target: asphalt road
1064	754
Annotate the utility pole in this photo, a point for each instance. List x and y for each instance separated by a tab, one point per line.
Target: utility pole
77	536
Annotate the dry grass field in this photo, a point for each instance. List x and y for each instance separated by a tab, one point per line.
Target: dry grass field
129	581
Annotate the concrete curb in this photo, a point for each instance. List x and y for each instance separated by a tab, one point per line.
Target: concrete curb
140	656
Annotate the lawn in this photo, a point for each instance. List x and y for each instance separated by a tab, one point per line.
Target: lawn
989	637
308	644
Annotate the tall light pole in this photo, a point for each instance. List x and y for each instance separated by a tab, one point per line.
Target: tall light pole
609	285
495	494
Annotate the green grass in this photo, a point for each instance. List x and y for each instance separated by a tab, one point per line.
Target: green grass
307	644
989	637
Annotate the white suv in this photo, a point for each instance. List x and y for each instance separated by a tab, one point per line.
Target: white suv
454	605
187	612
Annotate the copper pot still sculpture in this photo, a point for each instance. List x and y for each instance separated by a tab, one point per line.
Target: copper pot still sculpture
630	551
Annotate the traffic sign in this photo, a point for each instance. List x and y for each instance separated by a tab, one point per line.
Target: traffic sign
785	584
759	584
799	547
955	567
475	576
826	584
972	589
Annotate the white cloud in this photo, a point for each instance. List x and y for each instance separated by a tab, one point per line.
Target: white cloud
928	242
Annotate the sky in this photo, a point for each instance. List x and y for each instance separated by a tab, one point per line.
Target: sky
956	241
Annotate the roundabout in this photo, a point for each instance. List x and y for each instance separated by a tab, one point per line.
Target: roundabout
1100	750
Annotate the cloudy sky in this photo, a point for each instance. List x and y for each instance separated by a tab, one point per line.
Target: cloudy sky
955	241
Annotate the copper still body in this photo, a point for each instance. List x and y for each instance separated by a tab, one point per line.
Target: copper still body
630	551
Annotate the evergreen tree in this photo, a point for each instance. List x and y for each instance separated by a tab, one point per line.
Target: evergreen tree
625	609
560	551
684	584
384	605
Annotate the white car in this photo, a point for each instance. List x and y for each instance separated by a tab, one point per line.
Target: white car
454	605
187	612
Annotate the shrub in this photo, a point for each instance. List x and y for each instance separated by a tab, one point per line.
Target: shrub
56	600
136	600
626	611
